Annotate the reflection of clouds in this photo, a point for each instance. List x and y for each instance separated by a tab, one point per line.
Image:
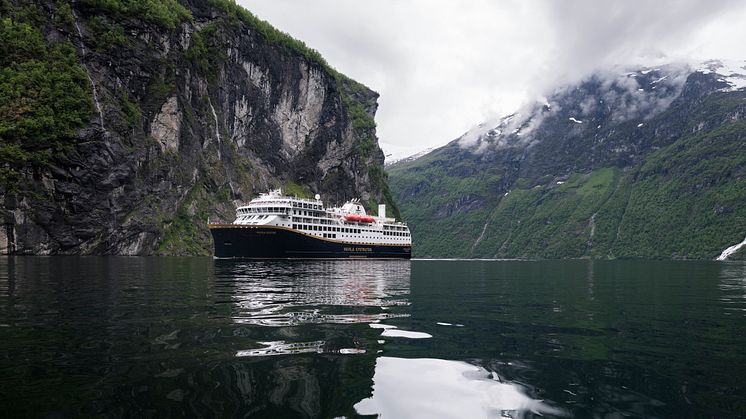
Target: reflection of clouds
394	332
276	293
428	388
733	286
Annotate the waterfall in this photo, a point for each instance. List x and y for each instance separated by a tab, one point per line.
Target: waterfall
217	125
87	72
731	250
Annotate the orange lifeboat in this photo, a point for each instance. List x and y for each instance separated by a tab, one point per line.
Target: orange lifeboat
359	218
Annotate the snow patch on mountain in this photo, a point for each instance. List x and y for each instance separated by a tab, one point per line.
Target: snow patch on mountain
410	158
733	71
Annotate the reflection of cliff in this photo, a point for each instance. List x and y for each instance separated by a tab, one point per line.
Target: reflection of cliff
304	386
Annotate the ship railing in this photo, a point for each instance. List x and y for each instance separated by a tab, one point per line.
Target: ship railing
286	200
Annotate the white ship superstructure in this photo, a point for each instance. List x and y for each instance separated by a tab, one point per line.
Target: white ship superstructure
346	224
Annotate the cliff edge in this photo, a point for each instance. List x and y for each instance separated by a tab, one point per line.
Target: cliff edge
125	125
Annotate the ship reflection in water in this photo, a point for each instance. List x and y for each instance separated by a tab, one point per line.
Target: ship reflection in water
351	305
287	293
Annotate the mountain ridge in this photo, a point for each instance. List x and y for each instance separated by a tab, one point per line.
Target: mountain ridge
507	190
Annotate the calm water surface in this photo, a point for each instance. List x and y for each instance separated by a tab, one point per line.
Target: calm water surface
173	337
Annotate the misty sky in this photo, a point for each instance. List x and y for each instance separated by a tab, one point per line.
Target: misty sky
443	66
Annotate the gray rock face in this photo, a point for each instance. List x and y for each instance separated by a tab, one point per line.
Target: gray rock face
195	120
166	126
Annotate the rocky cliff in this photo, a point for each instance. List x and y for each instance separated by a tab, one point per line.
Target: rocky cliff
648	163
126	124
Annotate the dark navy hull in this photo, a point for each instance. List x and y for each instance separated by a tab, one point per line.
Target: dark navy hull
268	242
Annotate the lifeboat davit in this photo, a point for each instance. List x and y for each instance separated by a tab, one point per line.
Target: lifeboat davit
359	218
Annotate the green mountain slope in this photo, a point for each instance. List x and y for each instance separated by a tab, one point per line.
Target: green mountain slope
667	185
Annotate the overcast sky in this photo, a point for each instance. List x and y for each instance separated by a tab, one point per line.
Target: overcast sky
443	66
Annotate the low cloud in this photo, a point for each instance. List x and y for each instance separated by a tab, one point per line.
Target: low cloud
443	66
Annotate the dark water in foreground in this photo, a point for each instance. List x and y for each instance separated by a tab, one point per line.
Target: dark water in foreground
162	337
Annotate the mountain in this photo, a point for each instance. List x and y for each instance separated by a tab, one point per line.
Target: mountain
125	124
637	164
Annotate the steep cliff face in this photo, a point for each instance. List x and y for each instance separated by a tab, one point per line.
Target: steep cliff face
645	164
192	107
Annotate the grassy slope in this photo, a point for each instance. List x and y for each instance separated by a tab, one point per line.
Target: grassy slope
44	95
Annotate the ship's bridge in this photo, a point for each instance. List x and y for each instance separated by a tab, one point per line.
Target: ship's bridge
353	207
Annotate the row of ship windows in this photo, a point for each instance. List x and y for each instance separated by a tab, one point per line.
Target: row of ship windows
325	228
388	230
334	236
304	205
275	210
262	210
311	220
346	230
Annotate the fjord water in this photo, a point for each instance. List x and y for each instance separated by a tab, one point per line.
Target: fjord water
173	337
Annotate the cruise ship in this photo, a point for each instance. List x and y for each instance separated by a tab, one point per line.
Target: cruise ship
277	226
